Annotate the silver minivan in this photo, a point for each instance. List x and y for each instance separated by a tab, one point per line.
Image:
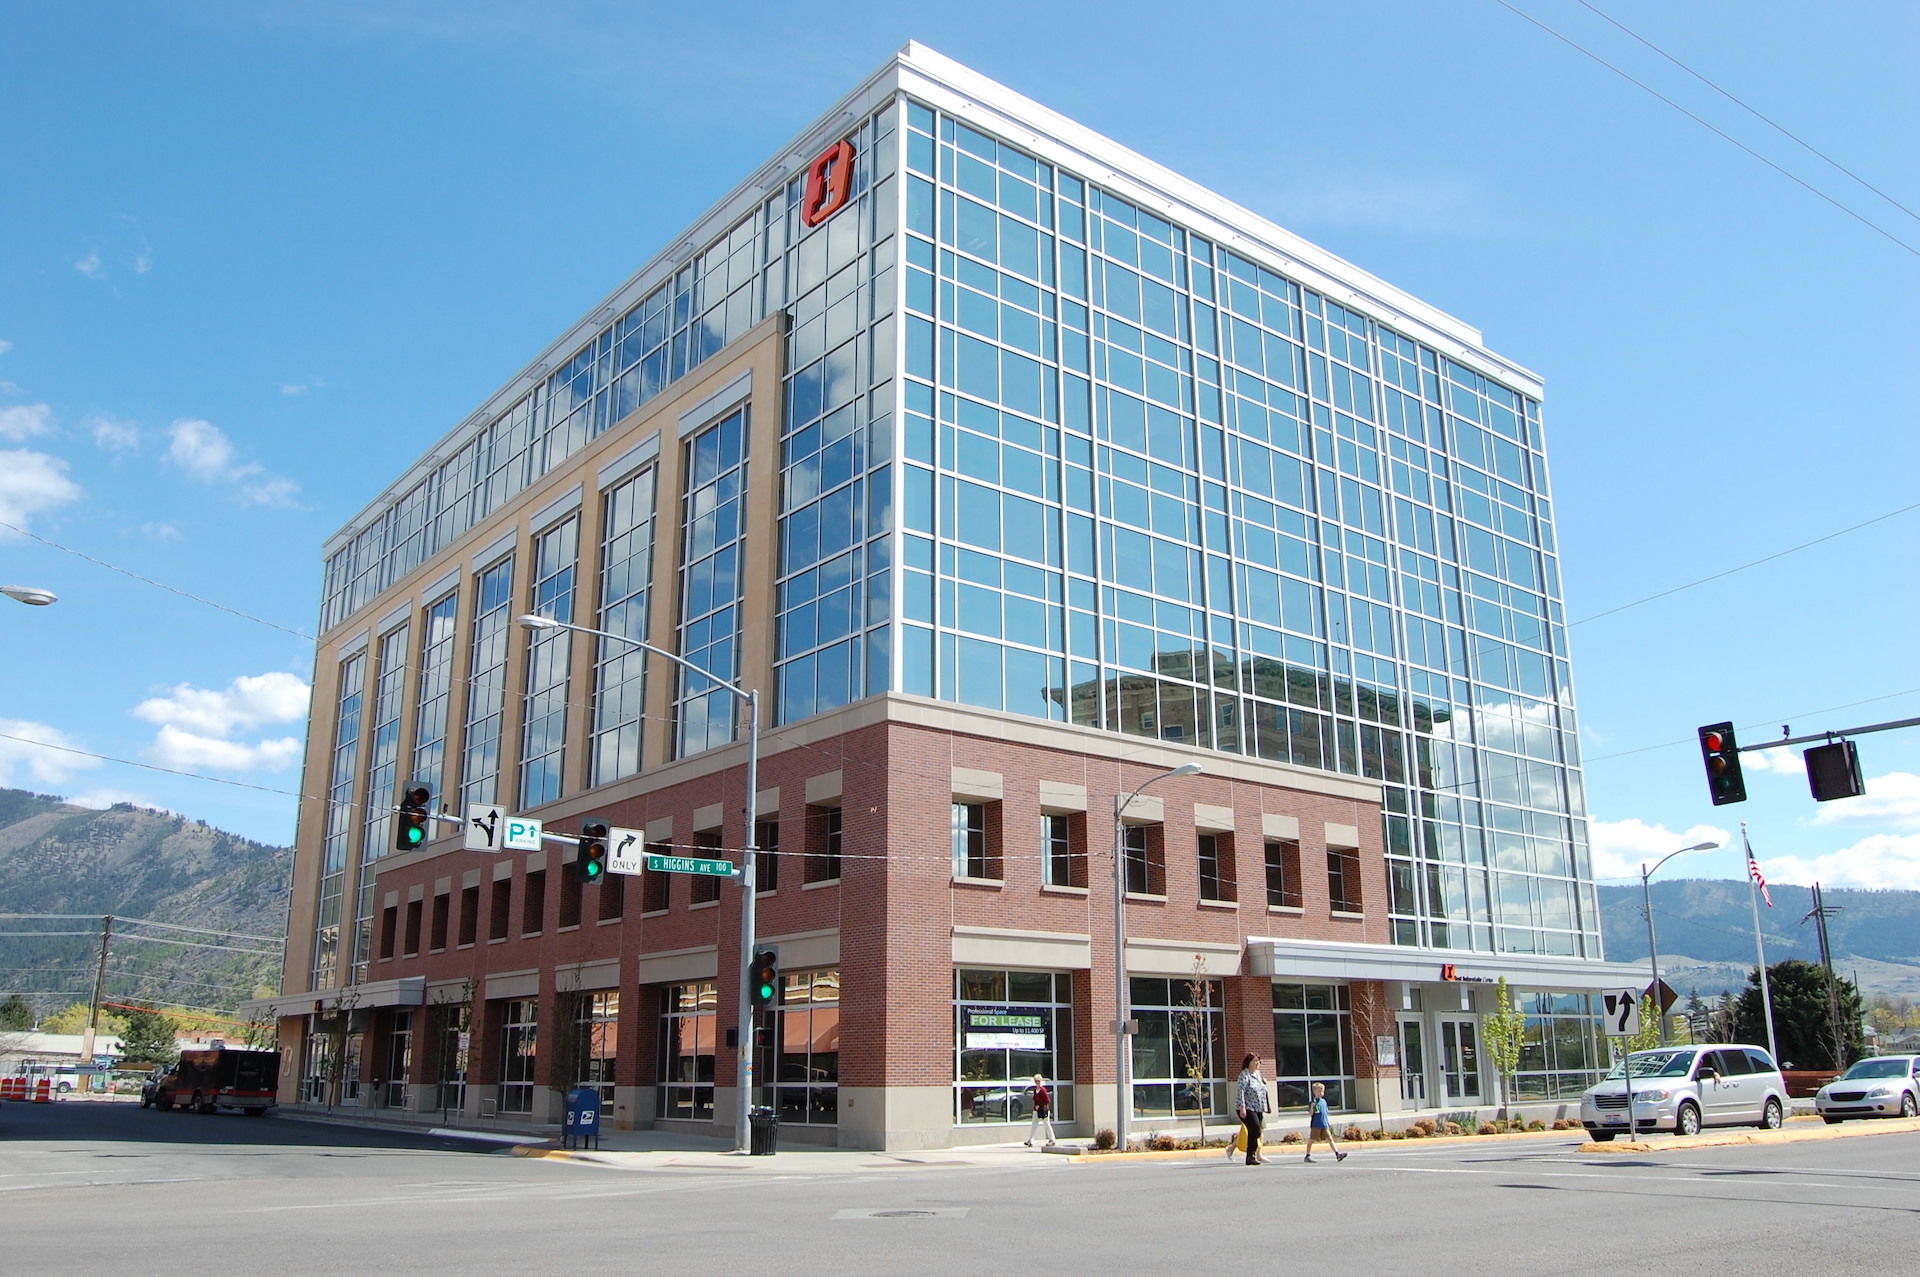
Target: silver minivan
1683	1088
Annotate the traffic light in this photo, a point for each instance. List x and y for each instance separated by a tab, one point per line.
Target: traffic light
591	864
765	985
410	826
1833	771
1721	753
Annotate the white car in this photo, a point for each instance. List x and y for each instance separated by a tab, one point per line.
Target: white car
1882	1086
1683	1088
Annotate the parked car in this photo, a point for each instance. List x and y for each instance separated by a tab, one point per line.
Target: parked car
1683	1088
1882	1086
1003	1103
150	1089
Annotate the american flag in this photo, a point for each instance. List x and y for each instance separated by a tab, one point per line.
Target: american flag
1759	879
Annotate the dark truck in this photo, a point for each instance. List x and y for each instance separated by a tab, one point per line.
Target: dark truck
221	1077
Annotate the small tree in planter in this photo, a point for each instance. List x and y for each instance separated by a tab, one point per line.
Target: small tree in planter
1503	1033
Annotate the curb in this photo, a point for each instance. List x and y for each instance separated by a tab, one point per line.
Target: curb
437	1132
1176	1154
1880	1126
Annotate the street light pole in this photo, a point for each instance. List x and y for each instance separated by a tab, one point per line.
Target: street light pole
749	878
1122	1056
1653	946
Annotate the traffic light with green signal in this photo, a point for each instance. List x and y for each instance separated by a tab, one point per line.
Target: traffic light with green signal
591	864
764	987
415	811
1721	754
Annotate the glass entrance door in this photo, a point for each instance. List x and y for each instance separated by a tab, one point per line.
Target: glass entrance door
1460	1060
1413	1063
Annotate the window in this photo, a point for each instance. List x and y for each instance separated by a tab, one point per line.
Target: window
413	928
1343	880
399	1059
389	930
807	1074
713	533
519	1051
469	915
436	682
1144	856
656	890
340	819
446	1023
1216	867
1180	1053
543	741
823	844
597	1026
1283	874
1063	849
383	760
533	903
975	844
689	1022
486	683
613	897
1008	1026
619	673
498	923
706	887
571	892
766	862
1562	1052
442	905
1313	1041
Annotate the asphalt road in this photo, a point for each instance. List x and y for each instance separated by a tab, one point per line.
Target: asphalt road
113	1189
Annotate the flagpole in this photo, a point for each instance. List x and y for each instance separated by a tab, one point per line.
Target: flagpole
1760	951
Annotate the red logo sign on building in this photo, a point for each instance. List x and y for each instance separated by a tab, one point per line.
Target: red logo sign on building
829	180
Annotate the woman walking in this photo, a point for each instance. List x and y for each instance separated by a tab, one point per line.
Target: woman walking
1042	1111
1322	1124
1250	1102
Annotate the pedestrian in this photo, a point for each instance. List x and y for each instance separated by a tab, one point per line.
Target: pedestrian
1042	1110
1322	1124
1250	1103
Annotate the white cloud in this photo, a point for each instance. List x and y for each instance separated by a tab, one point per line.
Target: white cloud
23	421
38	764
1377	199
1893	799
203	450
5	346
187	751
277	493
1878	861
31	483
90	266
113	434
1620	847
250	701
294	390
1780	760
101	799
160	531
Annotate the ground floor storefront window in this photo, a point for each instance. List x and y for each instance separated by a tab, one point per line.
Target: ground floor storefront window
688	1031
1180	1052
597	1026
399	1059
1008	1026
1313	1042
449	1024
807	1024
1561	1055
519	1052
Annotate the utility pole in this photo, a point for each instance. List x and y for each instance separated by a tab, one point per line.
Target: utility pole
99	990
1819	913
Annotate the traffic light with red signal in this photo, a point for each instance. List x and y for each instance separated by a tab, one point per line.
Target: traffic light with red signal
764	986
410	825
590	865
1721	754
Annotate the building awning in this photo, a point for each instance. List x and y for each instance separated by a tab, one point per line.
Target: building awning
1331	960
407	991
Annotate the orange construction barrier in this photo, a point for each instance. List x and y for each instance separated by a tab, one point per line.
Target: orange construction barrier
43	1093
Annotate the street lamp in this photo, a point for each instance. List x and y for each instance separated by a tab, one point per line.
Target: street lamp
1653	948
1122	1056
32	595
748	876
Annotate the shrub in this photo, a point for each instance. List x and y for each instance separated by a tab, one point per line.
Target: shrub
1162	1144
1291	1137
1536	1125
1454	1128
1566	1124
1410	1132
1376	1134
1105	1139
1487	1128
1426	1127
1353	1132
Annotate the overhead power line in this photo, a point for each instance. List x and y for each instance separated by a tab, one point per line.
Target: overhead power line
1797	180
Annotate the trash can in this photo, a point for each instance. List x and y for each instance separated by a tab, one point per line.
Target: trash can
764	1126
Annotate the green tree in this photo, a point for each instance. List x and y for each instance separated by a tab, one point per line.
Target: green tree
1802	1026
16	1014
148	1038
73	1019
1503	1034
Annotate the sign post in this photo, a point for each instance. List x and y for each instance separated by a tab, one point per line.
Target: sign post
1622	1020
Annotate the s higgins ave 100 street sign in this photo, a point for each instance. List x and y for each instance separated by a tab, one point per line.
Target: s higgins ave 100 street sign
689	865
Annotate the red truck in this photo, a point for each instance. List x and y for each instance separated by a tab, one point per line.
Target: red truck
208	1080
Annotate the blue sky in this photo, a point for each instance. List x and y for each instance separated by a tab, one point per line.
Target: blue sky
255	258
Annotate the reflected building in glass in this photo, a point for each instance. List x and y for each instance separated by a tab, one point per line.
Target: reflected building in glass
1015	469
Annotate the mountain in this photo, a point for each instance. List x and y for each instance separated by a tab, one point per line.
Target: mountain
135	863
1705	930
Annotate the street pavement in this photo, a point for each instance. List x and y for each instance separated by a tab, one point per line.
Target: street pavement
88	1187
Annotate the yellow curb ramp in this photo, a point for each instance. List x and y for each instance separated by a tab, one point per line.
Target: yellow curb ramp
1270	1146
1720	1139
534	1150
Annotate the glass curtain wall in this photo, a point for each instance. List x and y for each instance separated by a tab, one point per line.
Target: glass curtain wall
1562	1053
383	758
434	692
543	749
619	672
340	820
1152	486
713	535
487	683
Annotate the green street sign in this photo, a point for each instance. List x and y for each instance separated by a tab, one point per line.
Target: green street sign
689	865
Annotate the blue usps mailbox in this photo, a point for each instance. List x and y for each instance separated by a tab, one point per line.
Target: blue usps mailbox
583	1118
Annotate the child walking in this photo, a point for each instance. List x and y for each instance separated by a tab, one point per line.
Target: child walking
1322	1124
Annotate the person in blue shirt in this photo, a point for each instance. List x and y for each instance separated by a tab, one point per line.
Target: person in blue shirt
1322	1124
